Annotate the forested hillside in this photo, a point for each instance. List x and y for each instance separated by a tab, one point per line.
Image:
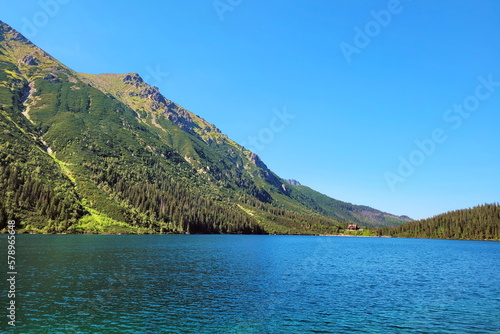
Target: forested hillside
108	153
479	223
347	212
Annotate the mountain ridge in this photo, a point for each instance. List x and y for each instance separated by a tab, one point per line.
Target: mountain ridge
133	159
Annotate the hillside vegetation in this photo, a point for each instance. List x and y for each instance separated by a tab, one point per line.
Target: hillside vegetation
108	153
479	223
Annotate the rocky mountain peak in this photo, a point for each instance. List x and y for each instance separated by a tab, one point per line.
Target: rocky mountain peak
293	182
133	79
153	93
8	33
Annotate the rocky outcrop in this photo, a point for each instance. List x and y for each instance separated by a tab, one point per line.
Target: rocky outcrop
145	91
13	35
257	162
180	117
153	94
156	102
133	79
30	60
293	182
266	173
52	78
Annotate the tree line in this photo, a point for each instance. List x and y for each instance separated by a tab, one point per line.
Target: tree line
478	223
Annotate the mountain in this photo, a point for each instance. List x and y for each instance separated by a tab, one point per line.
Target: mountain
293	182
479	223
347	212
108	153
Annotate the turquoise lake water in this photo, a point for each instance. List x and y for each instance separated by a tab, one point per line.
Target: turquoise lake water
253	284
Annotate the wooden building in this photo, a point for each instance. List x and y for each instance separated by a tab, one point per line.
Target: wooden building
353	227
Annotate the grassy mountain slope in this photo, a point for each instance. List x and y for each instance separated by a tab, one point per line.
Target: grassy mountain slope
33	187
190	129
347	212
109	153
120	171
479	223
199	142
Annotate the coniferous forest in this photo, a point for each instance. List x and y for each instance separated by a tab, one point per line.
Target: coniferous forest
79	155
108	153
479	223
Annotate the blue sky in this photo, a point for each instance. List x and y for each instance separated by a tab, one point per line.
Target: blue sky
391	104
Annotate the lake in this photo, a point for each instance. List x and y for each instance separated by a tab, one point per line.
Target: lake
253	284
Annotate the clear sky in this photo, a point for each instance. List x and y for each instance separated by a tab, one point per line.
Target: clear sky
391	104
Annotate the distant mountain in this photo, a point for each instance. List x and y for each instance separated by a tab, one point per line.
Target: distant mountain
350	213
293	182
479	223
108	153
